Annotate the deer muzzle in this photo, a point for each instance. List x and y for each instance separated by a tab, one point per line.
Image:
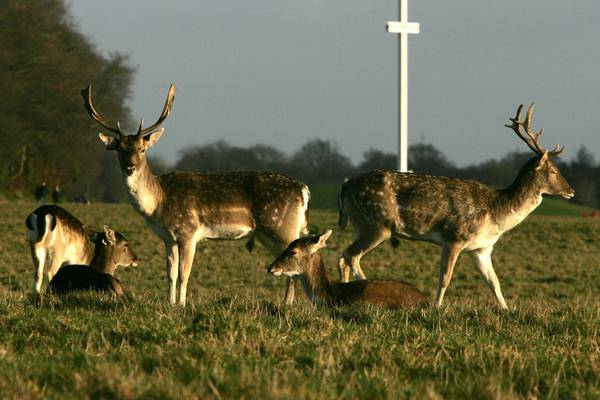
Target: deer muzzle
275	270
568	194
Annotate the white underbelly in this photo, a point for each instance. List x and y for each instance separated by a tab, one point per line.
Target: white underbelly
482	241
224	232
432	237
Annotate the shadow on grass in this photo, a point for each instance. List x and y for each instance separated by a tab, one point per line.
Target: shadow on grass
82	300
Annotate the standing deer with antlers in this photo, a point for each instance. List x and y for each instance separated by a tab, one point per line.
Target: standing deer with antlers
453	213
183	208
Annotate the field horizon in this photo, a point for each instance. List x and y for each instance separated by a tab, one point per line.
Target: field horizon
235	339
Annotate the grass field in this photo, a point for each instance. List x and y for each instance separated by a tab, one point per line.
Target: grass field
236	340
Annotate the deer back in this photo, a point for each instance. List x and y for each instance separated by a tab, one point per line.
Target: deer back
52	227
249	200
419	206
378	292
71	278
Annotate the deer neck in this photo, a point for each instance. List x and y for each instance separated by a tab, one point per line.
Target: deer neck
518	200
89	252
315	281
103	262
145	192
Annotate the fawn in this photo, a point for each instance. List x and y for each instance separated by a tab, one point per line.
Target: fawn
302	259
111	250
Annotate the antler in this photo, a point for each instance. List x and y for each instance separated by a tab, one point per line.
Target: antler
165	113
532	138
87	99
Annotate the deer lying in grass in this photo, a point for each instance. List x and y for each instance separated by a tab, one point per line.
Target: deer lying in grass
183	208
55	234
453	213
111	250
303	259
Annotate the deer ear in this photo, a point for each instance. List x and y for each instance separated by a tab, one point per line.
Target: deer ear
110	235
542	161
320	241
109	141
151	138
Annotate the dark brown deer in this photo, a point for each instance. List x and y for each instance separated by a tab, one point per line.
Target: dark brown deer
56	235
111	249
183	208
453	213
303	259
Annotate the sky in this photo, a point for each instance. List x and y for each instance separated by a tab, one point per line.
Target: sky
280	72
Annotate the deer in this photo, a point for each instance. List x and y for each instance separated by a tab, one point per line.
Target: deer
57	236
111	250
184	208
456	214
303	259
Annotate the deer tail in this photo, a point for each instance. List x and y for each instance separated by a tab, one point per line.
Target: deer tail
39	226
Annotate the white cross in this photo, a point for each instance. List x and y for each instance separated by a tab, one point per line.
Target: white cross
403	27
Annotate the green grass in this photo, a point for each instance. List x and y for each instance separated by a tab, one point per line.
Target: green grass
559	207
236	340
324	196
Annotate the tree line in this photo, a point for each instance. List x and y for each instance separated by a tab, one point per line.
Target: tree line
46	136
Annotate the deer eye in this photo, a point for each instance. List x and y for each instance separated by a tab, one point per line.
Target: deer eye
143	151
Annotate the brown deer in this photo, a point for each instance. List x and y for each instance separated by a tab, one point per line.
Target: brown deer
183	208
111	249
453	213
303	259
56	235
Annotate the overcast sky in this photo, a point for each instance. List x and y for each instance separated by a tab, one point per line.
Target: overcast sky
281	72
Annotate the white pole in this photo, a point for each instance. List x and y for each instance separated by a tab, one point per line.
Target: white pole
403	28
403	91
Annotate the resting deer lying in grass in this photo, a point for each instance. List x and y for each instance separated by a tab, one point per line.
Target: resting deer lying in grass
453	213
55	234
183	208
111	250
303	259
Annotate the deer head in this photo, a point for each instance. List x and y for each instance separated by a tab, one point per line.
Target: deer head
114	248
544	170
296	259
131	148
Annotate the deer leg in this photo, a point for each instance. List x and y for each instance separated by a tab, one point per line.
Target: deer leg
56	261
483	259
366	241
450	254
344	269
172	269
187	250
290	291
38	255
